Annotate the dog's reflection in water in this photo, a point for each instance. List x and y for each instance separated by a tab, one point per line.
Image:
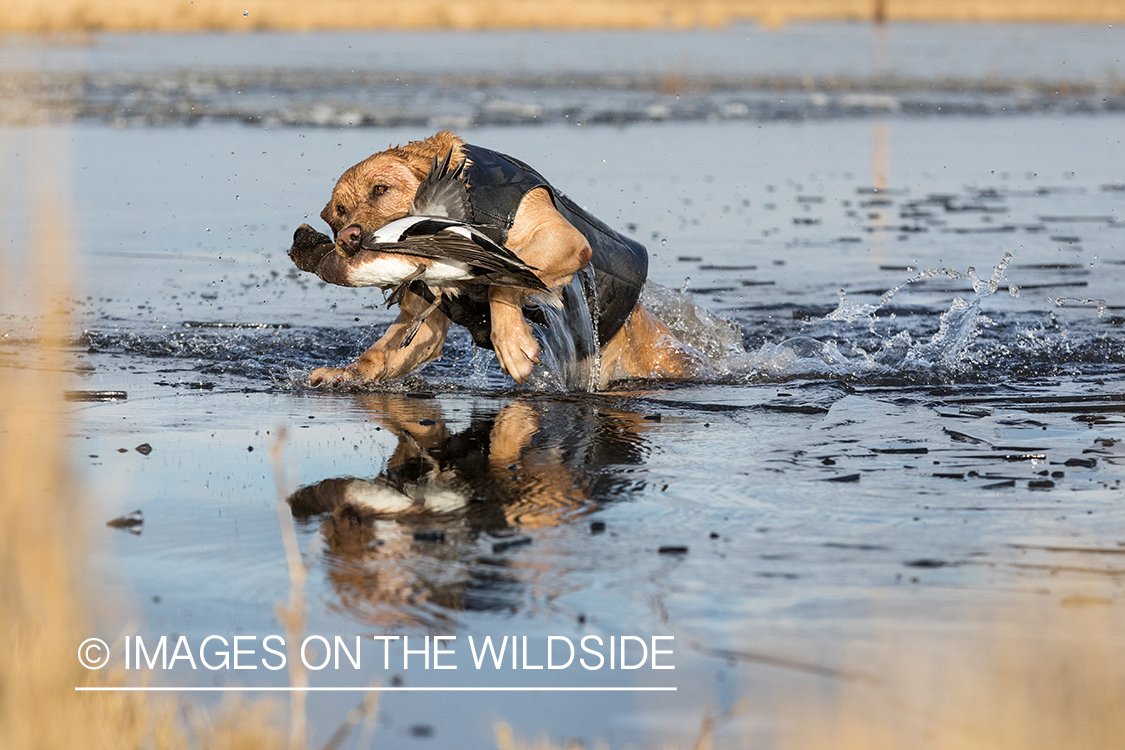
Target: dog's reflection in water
428	536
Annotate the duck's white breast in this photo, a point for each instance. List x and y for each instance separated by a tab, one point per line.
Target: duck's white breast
383	271
445	271
390	270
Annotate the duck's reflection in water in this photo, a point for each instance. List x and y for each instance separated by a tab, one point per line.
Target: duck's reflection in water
431	534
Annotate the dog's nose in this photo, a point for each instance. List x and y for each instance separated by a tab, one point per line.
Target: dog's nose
348	239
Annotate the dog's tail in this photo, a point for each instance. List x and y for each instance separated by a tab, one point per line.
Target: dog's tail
443	192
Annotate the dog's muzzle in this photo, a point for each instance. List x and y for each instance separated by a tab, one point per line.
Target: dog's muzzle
348	241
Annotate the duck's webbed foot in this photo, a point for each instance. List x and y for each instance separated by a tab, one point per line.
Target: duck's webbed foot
421	318
396	295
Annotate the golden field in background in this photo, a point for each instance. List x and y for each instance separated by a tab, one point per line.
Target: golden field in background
37	16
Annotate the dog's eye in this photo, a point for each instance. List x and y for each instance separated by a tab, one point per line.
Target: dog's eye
340	210
379	190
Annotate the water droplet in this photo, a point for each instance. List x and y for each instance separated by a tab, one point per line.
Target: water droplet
972	274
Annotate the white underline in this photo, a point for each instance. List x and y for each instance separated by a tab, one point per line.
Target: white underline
372	689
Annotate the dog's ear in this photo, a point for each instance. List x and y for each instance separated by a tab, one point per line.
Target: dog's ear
419	154
444	141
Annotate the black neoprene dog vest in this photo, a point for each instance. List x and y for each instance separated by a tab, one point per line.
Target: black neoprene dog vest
496	184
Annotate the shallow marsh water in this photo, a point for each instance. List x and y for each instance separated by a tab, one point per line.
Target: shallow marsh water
866	468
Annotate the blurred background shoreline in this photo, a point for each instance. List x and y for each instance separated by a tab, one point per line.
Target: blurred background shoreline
38	16
457	79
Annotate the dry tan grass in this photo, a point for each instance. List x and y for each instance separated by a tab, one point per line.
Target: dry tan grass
1042	676
354	15
1050	677
42	616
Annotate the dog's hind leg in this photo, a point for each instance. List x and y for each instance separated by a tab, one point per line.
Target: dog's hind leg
646	348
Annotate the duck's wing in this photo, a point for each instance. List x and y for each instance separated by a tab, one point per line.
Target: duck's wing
443	192
485	266
443	239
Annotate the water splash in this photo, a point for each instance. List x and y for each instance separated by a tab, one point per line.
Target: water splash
854	341
851	312
569	358
717	338
945	354
568	348
1101	305
479	364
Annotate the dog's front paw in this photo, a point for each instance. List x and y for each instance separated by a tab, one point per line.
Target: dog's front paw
329	375
517	351
371	365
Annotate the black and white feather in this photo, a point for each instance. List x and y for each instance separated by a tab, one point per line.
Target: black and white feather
443	193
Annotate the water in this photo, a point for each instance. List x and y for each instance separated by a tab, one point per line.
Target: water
569	350
889	443
934	51
462	80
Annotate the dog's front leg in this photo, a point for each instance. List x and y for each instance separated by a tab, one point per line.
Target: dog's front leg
545	240
517	351
388	359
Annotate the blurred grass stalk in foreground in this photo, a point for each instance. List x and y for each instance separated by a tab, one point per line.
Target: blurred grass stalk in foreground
35	16
43	591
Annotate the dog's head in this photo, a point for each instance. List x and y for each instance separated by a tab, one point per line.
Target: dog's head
380	188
